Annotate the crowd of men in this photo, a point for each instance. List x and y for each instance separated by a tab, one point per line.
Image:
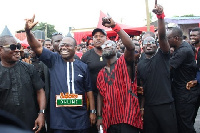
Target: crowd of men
150	85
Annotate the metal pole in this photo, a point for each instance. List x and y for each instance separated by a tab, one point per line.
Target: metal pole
148	15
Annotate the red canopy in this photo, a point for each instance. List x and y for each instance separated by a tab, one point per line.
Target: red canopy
24	43
136	31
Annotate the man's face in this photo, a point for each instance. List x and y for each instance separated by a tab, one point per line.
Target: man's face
98	39
109	49
137	53
8	55
149	45
67	48
137	50
32	53
171	39
48	45
194	37
56	41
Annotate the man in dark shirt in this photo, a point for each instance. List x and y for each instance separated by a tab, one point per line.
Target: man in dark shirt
183	68
154	74
95	61
20	86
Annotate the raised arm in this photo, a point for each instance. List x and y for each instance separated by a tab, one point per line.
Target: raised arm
163	42
126	40
35	45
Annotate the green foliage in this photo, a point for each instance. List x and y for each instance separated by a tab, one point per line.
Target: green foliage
189	15
42	26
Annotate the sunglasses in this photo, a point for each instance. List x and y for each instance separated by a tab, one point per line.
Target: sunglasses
145	42
136	52
56	33
13	46
108	45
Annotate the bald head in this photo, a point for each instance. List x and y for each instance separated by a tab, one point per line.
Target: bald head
69	39
148	34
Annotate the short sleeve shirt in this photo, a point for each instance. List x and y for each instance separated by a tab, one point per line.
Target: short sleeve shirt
155	76
95	64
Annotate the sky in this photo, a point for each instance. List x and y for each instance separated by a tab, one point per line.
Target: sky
85	13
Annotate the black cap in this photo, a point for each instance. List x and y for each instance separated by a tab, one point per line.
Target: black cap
99	30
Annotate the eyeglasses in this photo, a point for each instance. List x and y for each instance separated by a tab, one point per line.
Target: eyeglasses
66	45
13	46
170	37
108	45
145	42
136	52
56	33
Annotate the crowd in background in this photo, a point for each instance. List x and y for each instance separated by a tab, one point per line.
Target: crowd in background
147	83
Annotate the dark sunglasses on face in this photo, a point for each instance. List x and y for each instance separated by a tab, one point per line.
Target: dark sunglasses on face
145	42
136	52
106	45
13	46
56	33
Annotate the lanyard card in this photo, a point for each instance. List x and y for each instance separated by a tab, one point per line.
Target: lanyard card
69	100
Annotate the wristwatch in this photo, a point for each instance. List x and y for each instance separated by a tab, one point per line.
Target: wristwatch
41	111
93	111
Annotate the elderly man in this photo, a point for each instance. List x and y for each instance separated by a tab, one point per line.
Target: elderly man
20	86
70	81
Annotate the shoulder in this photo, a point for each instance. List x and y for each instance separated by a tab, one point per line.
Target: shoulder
101	72
185	48
81	65
27	65
87	55
89	52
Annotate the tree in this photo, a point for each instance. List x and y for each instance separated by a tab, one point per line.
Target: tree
43	26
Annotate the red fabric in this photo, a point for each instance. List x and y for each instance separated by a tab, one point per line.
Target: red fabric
117	28
136	31
79	54
161	16
80	35
21	36
119	106
24	43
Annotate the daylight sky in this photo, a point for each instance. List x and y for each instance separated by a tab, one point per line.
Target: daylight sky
85	13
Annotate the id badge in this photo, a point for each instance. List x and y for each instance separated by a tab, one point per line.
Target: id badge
69	100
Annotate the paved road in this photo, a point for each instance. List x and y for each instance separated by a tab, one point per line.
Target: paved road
197	122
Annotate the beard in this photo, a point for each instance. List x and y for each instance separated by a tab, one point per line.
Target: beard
150	52
108	54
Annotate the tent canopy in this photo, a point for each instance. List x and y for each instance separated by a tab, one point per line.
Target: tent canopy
134	31
24	43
